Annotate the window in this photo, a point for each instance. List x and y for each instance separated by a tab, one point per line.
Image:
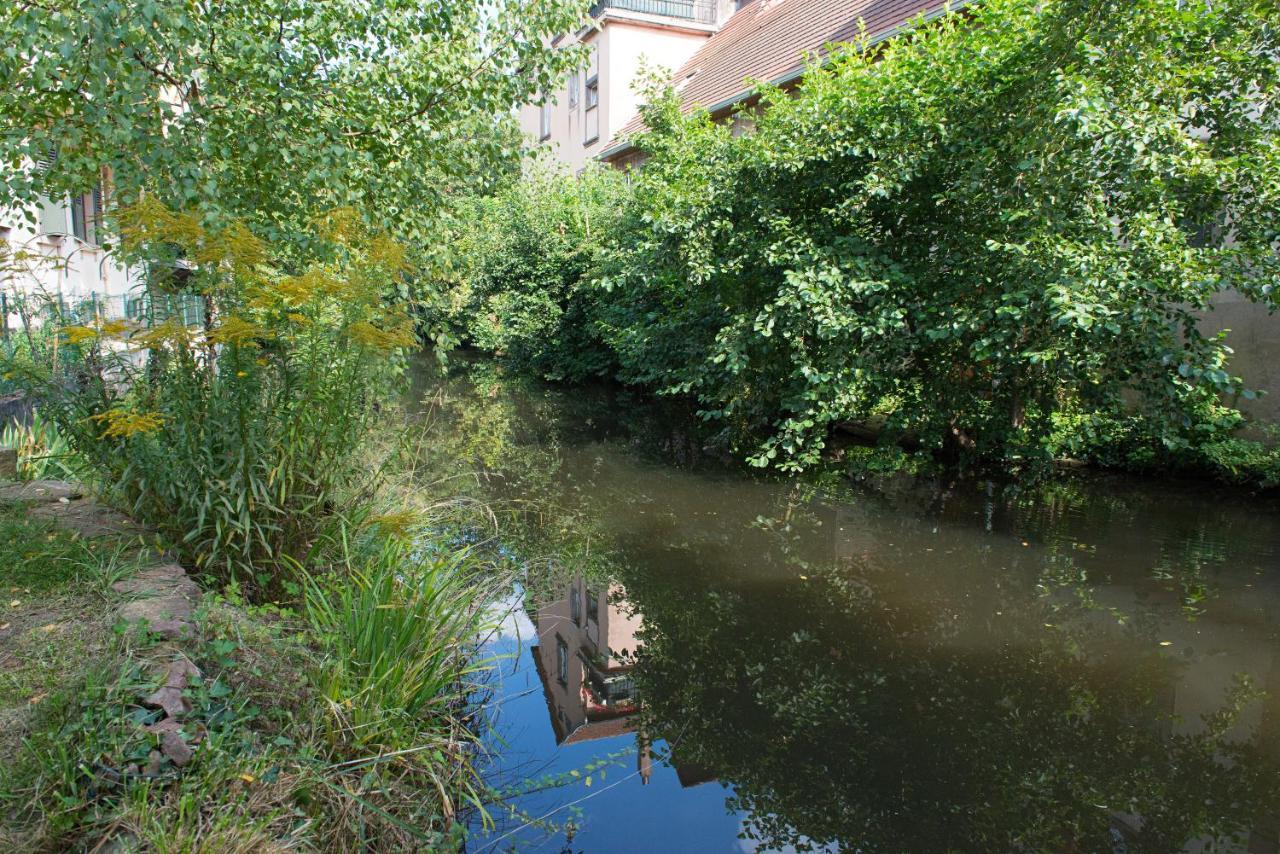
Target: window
591	118
562	660
544	119
575	605
591	100
575	86
593	606
79	221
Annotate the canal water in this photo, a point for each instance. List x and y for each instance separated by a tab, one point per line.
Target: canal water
702	659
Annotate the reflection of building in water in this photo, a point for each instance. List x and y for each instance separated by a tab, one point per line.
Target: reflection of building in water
586	646
586	649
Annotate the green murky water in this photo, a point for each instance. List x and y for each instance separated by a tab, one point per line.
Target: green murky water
907	666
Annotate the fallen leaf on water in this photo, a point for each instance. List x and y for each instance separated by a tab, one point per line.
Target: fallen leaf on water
1166	643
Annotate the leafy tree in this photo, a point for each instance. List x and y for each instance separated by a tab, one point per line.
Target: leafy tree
526	257
271	110
1007	222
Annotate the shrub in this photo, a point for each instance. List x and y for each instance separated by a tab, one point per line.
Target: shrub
1007	216
523	286
242	439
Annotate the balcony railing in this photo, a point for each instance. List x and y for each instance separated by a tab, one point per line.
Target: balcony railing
698	11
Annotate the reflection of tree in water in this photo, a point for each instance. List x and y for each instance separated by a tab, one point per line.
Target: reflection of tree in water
866	687
879	708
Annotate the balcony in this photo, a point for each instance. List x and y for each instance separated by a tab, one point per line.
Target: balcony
697	11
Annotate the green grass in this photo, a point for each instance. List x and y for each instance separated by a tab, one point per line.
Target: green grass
335	729
54	597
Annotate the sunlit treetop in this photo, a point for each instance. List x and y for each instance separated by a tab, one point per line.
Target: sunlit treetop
271	110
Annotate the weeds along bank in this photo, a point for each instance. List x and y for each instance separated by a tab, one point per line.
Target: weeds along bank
992	239
337	650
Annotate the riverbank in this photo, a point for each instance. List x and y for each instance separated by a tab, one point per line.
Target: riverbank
137	710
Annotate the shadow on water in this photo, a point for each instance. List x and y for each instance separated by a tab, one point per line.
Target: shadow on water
1091	665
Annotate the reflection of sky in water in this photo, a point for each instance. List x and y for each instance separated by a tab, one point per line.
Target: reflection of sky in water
619	813
850	609
514	625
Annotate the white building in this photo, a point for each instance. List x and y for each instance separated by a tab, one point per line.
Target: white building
578	121
57	248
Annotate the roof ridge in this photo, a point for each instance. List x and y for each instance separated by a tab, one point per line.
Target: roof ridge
771	40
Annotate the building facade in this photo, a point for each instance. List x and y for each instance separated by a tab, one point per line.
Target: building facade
57	251
576	122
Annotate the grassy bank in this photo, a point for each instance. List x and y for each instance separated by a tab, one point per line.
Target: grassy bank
329	727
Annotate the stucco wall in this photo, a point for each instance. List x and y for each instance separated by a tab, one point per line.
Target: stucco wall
1255	336
624	44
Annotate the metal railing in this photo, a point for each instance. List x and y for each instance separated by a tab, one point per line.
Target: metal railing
698	11
143	307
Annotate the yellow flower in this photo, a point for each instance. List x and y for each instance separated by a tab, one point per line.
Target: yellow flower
171	332
116	328
399	336
341	225
84	334
388	255
305	287
235	245
149	221
121	423
237	330
78	334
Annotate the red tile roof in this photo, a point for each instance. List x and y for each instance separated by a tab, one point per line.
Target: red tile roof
770	39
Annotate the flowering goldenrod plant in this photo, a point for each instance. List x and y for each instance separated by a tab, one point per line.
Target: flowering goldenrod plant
242	437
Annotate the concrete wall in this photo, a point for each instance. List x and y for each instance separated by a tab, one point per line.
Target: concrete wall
1255	336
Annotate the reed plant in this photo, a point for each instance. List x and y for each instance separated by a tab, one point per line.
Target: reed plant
401	623
43	452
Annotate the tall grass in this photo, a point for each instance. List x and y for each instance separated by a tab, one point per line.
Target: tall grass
43	452
401	626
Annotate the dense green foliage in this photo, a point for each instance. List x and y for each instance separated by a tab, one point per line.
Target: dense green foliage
271	109
993	238
526	259
296	743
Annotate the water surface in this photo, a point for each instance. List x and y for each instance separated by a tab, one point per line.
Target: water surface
700	659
